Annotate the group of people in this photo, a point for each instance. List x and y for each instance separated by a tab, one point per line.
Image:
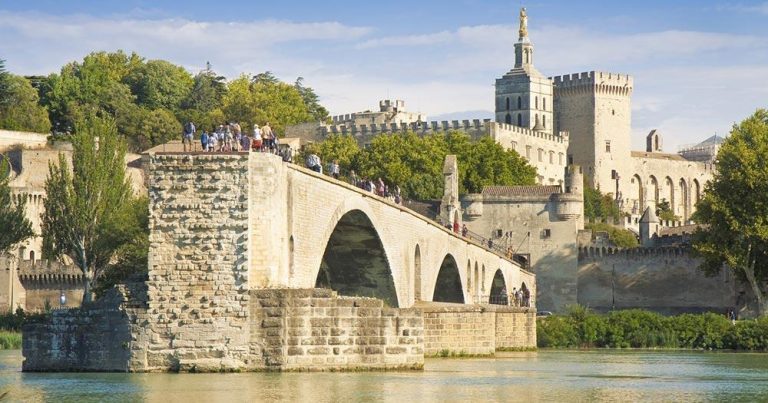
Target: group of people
230	137
521	297
378	187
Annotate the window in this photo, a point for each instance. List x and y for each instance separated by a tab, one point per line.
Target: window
519	103
520	119
508	119
499	233
507	103
544	103
528	152
607	146
551	157
546	233
544	121
536	102
514	146
570	159
541	155
560	158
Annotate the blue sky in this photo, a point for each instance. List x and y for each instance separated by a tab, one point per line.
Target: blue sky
698	65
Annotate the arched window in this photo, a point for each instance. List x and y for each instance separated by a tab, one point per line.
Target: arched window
507	103
520	119
519	103
508	119
536	102
544	121
32	255
544	103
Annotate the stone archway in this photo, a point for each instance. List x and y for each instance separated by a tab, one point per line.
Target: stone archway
354	262
448	283
498	295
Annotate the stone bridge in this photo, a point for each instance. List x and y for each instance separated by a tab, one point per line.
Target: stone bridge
284	226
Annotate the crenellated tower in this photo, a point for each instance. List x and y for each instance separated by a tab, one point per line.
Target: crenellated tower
524	95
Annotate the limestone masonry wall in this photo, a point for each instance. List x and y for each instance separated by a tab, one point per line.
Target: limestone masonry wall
477	330
295	329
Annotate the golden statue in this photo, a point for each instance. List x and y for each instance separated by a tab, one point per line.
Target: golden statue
523	23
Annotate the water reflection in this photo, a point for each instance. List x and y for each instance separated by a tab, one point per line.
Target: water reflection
537	376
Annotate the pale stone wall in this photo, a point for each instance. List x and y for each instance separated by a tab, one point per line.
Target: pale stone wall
666	280
477	330
296	329
546	152
10	139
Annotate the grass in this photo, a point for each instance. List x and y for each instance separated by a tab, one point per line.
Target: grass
10	340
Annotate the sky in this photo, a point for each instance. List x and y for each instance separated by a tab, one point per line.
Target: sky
698	66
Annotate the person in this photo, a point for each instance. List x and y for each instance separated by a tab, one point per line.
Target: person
186	137
519	297
380	187
204	140
455	227
245	143
313	163
267	136
353	178
398	198
212	140
464	230
333	169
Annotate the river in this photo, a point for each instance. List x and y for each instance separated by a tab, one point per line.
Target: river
595	375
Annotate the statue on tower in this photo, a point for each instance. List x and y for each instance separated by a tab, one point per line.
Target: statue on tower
523	23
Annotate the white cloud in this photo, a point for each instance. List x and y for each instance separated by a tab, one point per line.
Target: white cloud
407	40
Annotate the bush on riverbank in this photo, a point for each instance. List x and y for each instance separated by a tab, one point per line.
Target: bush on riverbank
644	329
10	340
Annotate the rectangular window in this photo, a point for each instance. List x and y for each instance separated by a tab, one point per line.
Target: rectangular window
541	155
528	152
551	157
514	145
607	146
570	159
560	158
546	233
499	233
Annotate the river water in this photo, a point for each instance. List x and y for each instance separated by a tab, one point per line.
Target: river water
571	376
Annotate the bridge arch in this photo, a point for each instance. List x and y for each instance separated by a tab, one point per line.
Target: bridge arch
355	262
498	294
448	282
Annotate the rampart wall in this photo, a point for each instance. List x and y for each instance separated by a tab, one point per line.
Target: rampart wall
665	279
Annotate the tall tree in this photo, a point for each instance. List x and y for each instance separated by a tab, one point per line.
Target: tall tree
734	208
160	84
85	207
4	84
21	110
311	101
16	228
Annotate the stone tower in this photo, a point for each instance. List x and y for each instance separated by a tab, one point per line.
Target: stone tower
653	142
570	204
523	95
450	206
649	226
595	108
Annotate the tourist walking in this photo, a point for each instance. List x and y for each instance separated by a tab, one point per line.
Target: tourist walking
333	169
313	163
187	135
204	141
268	136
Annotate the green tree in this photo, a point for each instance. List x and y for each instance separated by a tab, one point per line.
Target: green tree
599	207
311	101
342	148
664	211
85	208
734	208
20	109
16	228
158	84
620	237
4	84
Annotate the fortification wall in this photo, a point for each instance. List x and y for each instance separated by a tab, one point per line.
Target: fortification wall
546	152
10	139
666	280
477	330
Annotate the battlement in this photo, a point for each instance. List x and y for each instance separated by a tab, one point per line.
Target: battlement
596	81
474	127
601	253
45	271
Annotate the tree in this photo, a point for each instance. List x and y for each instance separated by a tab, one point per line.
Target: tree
4	84
159	84
84	216
311	101
599	207
734	208
20	109
664	211
16	228
340	147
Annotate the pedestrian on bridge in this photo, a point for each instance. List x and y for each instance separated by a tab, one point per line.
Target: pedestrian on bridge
187	134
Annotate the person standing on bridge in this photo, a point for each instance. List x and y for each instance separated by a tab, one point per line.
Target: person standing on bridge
268	136
187	134
333	169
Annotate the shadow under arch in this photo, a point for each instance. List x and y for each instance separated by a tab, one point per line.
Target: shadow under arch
498	294
448	282
354	262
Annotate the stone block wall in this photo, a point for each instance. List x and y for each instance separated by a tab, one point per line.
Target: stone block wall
198	287
477	330
93	338
301	329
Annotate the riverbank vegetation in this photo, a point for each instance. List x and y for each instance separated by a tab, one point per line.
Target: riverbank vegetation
10	327
581	328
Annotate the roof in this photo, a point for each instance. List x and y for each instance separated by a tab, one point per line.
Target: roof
711	141
520	190
662	156
649	216
680	230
